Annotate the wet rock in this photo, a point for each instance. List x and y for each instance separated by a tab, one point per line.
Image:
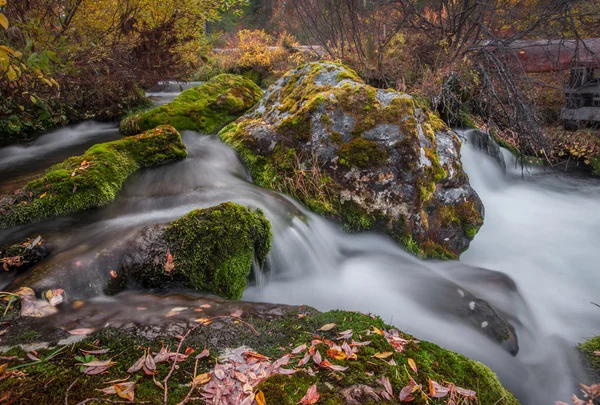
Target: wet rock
22	256
205	108
210	249
372	159
90	180
485	143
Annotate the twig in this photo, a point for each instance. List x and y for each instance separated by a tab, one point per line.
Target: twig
238	319
192	385
595	304
109	401
166	394
69	389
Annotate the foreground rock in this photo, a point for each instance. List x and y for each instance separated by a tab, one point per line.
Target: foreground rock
347	356
205	108
371	158
90	180
210	249
22	256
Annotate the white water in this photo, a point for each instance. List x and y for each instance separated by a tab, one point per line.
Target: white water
541	231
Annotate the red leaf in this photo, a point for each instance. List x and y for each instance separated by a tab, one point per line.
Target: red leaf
311	397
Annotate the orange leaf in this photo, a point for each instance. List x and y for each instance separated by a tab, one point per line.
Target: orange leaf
336	354
125	390
260	398
113	274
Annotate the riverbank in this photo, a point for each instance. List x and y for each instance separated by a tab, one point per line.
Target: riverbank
252	350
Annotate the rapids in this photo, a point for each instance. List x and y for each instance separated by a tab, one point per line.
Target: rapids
535	259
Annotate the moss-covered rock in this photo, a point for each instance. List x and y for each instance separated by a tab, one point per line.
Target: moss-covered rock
590	351
90	180
23	255
209	249
373	159
269	330
205	108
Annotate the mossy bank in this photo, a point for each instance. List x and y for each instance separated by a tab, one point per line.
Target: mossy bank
90	180
373	159
205	108
210	249
258	329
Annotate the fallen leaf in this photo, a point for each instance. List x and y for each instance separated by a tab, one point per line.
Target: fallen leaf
260	398
436	390
43	195
101	351
237	313
383	355
189	350
256	356
137	366
406	394
317	358
327	327
413	365
336	354
113	274
109	390
203	321
125	390
299	349
311	397
385	382
202	379
81	331
98	363
203	354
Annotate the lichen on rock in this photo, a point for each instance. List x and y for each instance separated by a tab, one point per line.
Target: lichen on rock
372	159
210	249
89	180
205	108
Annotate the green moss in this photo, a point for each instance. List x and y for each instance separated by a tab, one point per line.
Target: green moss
588	349
595	164
92	179
288	331
205	108
348	74
362	153
213	250
432	361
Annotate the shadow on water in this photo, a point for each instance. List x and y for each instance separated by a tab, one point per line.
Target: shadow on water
540	240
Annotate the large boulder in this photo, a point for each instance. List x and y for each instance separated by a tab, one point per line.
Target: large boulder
209	249
370	158
89	180
205	108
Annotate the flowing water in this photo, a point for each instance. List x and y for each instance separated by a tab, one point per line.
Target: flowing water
534	259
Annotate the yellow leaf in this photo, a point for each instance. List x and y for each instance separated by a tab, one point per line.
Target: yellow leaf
48	82
33	99
260	398
7	49
202	379
377	330
18	54
125	390
383	355
4	21
43	195
413	365
2	3
12	75
327	327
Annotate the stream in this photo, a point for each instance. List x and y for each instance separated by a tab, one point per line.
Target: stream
535	259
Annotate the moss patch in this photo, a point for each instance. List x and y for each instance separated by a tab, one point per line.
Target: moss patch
205	108
211	249
588	349
362	153
286	331
90	180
